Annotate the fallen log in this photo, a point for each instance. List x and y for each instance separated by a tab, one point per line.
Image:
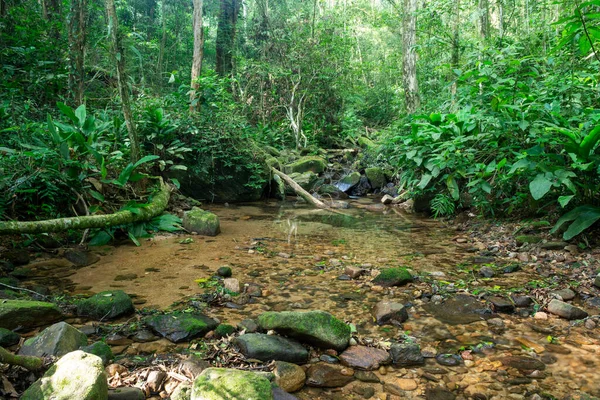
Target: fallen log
28	362
299	191
156	207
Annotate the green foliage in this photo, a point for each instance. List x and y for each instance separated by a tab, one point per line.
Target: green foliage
165	222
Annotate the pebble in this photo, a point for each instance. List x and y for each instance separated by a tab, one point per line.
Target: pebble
407	384
540	315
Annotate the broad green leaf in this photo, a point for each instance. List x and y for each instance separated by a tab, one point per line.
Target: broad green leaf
564	200
453	188
581	223
425	179
133	238
539	186
145	160
80	113
67	111
589	142
176	183
101	238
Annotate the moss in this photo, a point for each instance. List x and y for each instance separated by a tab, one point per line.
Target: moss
304	164
101	350
224	330
202	222
106	305
180	326
365	142
376	177
221	383
522	239
27	314
393	277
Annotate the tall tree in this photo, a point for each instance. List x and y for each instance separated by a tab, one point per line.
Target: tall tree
198	51
118	55
226	35
77	43
409	57
484	18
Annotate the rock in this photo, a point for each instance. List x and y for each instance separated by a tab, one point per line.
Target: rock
56	340
27	314
331	191
522	301
222	383
393	277
376	177
531	239
387	312
8	338
270	347
280	394
304	164
327	375
155	380
232	285
523	363
106	305
366	376
81	258
406	354
201	222
348	182
362	189
387	199
179	327
354	272
438	393
448	360
307	180
365	143
144	336
253	290
501	304
564	294
101	350
224	271
460	309
249	325
597	281
406	384
365	358
317	328
277	190
487	272
16	257
593	302
77	375
126	393
182	392
363	390
566	310
224	330
554	245
289	377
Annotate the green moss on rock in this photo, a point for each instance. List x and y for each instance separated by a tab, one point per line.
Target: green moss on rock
101	350
8	338
27	314
304	164
318	328
178	326
393	277
522	239
56	340
376	177
201	222
106	305
221	383
224	330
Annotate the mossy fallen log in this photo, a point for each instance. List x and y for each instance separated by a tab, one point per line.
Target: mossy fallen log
28	362
157	206
299	191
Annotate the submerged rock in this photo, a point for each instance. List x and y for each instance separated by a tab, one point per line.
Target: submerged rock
566	310
365	358
393	277
270	347
56	340
78	375
328	375
376	177
179	327
406	354
82	258
310	163
290	377
201	222
461	309
27	314
387	312
16	257
221	383
523	363
501	305
106	305
317	328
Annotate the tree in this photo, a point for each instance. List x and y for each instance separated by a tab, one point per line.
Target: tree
118	56
198	51
77	43
226	31
409	57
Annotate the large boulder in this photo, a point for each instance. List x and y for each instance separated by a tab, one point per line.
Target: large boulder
179	327
317	328
270	347
376	177
201	222
308	163
222	383
78	375
27	314
106	305
348	182
56	340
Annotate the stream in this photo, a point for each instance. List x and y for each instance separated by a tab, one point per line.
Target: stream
297	256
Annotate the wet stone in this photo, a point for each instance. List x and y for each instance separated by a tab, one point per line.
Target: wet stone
449	360
16	257
512	268
566	310
366	376
125	277
365	391
522	301
224	272
438	393
56	340
501	304
270	347
249	325
458	310
329	359
179	327
556	348
406	354
523	363
487	272
82	258
327	375
8	338
290	377
564	294
548	359
365	358
593	302
144	336
393	277
387	312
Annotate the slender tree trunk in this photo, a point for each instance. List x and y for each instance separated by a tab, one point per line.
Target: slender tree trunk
163	43
500	19
226	35
484	19
455	51
409	57
3	8
118	55
77	43
198	52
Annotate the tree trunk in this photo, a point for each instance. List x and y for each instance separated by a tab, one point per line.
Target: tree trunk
28	362
77	42
226	35
299	191
409	57
156	207
118	55
198	52
484	19
163	43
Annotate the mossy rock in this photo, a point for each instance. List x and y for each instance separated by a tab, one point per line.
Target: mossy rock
222	383
271	347
348	182
8	338
306	180
310	163
201	222
101	350
366	143
332	191
27	314
376	177
531	239
78	375
224	330
318	328
179	327
393	277
106	305
56	340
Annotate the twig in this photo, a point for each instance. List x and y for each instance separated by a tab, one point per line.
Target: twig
25	290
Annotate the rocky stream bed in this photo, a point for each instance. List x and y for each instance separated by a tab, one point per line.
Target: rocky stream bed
370	302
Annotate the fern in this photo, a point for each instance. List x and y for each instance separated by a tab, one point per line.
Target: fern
442	205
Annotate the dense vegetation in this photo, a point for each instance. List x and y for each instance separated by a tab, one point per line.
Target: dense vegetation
490	105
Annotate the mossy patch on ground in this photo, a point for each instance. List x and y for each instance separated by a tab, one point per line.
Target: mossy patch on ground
393	277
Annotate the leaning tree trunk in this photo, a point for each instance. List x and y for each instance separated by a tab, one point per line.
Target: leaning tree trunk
156	207
226	35
299	191
118	55
198	52
77	41
28	362
409	57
